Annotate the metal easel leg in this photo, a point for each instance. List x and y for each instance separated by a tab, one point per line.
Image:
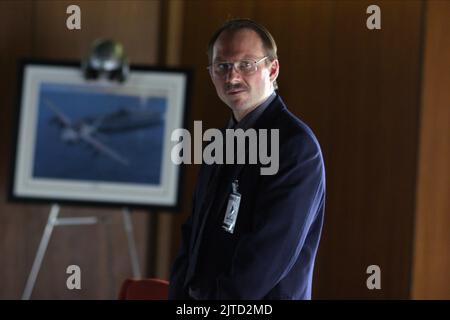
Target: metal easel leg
54	221
131	243
52	218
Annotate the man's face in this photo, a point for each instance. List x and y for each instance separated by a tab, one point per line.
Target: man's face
243	93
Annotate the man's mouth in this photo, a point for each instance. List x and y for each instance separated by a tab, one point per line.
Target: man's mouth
235	91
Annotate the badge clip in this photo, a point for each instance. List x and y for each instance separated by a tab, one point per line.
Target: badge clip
232	210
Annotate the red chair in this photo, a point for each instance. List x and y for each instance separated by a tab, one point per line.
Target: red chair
144	289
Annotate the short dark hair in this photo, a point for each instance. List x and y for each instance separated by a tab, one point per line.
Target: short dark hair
235	25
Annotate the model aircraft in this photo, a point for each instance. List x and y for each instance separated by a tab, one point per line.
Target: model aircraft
84	130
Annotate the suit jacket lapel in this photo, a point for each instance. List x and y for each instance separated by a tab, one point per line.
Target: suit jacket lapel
268	115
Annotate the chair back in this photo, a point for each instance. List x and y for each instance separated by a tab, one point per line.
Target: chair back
144	289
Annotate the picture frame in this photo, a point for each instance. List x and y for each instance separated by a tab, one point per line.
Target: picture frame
98	142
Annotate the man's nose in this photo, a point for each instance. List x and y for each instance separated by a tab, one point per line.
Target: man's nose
233	75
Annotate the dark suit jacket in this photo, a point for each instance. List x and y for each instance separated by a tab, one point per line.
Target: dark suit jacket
271	253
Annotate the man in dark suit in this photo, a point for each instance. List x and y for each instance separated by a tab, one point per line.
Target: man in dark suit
253	236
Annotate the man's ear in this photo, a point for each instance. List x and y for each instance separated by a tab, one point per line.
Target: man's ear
274	70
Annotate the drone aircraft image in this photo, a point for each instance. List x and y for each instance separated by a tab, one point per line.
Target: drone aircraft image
98	136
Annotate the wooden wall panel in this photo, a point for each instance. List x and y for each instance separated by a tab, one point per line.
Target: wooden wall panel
133	23
370	150
359	91
12	218
432	239
38	29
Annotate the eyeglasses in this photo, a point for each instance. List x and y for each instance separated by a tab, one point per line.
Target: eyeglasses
245	67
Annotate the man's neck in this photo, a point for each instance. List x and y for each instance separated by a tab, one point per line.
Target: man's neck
239	116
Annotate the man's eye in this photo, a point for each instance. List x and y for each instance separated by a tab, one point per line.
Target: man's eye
245	65
222	66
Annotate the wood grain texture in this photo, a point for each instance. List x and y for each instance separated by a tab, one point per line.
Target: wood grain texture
432	240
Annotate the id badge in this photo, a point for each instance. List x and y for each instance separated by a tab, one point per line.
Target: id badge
232	209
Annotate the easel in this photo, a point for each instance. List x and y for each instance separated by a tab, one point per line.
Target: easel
94	66
54	221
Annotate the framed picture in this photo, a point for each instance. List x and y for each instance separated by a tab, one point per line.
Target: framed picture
97	141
